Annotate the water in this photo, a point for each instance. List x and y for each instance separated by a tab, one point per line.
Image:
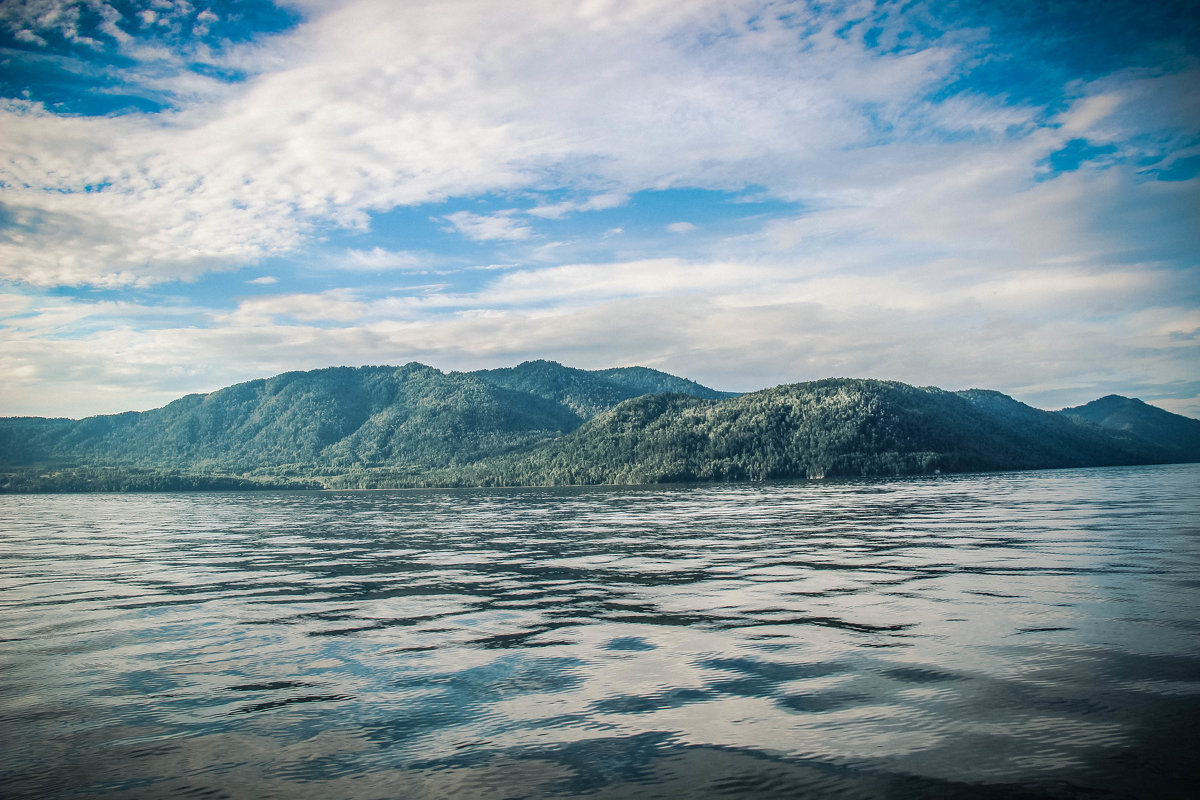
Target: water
1013	635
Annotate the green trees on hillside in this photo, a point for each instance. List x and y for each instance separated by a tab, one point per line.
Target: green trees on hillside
821	429
378	427
1178	436
112	479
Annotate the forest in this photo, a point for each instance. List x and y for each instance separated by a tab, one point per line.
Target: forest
542	423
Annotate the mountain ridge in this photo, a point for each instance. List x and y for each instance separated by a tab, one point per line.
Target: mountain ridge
545	423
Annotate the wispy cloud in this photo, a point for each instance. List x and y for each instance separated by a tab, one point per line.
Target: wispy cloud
489	227
334	305
507	101
599	202
378	258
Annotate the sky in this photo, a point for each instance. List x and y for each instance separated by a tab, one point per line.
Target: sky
195	193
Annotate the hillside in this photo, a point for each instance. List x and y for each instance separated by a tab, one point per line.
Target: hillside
587	393
329	422
836	427
543	423
1178	436
412	416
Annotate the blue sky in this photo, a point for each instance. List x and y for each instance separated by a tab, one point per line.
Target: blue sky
744	193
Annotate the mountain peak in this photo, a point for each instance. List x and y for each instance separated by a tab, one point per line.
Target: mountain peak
1175	434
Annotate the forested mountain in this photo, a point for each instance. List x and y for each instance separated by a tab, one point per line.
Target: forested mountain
587	393
836	427
543	423
310	425
1178	436
643	380
412	416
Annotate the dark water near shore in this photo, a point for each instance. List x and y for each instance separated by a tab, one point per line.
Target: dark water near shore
1014	635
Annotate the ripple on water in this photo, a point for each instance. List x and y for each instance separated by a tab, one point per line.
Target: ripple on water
968	636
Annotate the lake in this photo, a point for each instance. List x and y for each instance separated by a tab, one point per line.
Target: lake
1032	634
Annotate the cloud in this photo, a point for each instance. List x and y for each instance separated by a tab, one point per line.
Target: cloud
925	231
265	280
1052	334
32	21
743	345
488	227
334	305
599	202
359	110
379	259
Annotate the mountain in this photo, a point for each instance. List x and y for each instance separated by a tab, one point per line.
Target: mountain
543	423
327	422
643	380
828	428
1178	436
411	416
587	393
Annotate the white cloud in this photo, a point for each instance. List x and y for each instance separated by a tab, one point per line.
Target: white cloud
934	246
681	227
336	305
1053	335
29	19
1085	113
265	280
729	346
363	109
456	109
379	259
599	202
1122	106
595	283
488	227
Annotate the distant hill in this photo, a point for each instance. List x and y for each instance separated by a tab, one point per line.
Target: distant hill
312	425
543	423
828	428
642	380
1178	436
325	420
587	393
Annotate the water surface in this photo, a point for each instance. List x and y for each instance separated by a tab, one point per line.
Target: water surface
1009	635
